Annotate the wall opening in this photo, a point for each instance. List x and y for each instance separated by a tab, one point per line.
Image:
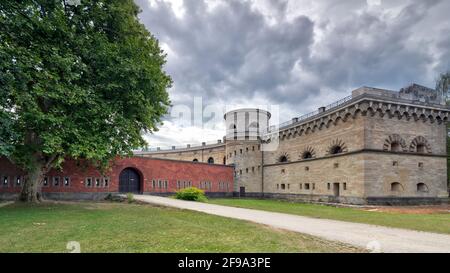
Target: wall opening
283	158
195	160
396	187
395	147
422	187
421	148
336	150
210	160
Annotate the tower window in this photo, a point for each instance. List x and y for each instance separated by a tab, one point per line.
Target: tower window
306	186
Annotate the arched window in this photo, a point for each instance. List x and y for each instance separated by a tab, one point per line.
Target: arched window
224	161
283	158
420	145
254	125
307	155
195	160
422	187
210	160
420	148
336	150
395	147
396	187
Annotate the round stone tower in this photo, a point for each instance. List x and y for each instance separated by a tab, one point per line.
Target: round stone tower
243	148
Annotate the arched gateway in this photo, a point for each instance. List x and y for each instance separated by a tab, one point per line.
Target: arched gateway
129	181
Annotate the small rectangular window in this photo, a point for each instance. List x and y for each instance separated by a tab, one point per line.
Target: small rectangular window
283	186
313	186
328	186
300	186
153	183
97	182
306	186
66	181
45	181
420	165
56	181
345	186
88	182
106	182
18	181
278	186
288	186
5	181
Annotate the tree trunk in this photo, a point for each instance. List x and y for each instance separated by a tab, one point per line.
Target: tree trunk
31	190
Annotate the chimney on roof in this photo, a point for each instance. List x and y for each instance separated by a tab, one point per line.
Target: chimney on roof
188	146
219	141
322	109
203	143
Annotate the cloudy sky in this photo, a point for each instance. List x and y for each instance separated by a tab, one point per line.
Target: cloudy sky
294	54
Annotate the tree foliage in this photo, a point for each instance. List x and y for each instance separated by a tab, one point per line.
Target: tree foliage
80	81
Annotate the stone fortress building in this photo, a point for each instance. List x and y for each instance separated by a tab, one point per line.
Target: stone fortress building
375	146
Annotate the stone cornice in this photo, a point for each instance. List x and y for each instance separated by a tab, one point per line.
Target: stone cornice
365	104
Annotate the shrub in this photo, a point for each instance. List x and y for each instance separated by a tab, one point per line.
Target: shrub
191	194
130	197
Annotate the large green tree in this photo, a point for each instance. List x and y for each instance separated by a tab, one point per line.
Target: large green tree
76	81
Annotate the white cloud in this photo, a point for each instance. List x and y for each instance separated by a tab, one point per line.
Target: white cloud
298	54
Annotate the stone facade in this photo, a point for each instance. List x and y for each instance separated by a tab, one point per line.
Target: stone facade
375	146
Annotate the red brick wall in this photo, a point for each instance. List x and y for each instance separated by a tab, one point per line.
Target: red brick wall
148	169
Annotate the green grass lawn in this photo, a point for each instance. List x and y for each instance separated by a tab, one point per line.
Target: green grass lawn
121	227
436	222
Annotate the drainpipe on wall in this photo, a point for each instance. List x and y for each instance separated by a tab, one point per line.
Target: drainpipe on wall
262	172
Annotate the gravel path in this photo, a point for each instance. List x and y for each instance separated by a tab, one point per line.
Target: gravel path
371	237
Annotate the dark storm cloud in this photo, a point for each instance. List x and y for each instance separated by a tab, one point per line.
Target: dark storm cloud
234	52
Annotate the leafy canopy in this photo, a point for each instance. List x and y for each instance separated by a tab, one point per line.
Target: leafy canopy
80	81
